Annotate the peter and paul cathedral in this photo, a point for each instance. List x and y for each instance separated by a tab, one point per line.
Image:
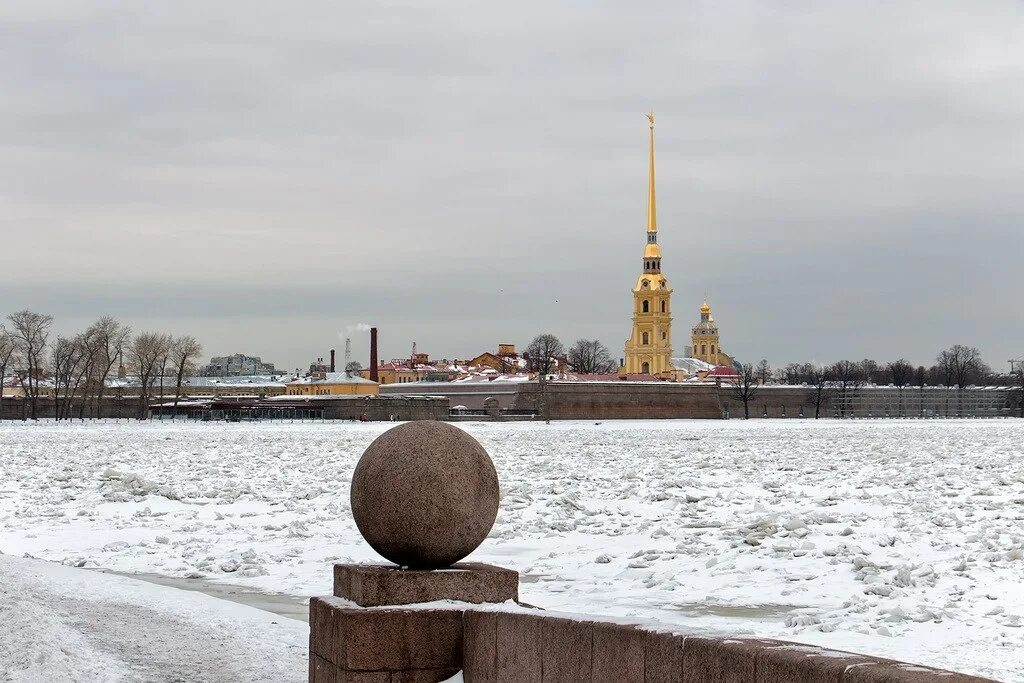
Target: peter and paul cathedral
649	349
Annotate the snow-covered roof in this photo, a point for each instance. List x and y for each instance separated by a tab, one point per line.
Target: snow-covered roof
691	365
722	371
239	381
333	378
490	378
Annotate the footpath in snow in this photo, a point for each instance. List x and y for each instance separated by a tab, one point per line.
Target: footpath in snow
64	624
902	539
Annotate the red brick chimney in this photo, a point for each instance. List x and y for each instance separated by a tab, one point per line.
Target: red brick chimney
373	355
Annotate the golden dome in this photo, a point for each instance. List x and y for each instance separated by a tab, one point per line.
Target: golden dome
705	308
652	250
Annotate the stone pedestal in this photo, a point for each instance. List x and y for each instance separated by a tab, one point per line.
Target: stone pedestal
350	644
376	585
365	635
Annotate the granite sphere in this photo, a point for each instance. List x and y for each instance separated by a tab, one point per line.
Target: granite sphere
425	494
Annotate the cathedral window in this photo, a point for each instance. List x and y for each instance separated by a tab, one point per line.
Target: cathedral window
646	306
662	306
646	339
712	348
646	284
645	368
703	349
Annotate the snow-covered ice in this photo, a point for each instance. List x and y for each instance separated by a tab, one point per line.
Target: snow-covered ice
897	538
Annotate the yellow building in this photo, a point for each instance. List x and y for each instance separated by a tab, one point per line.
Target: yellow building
332	384
395	373
649	349
706	343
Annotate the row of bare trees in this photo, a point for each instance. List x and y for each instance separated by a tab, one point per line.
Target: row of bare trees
838	383
162	362
585	356
958	366
79	367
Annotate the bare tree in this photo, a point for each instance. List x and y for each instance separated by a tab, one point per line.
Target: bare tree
161	372
818	379
745	386
900	373
793	373
145	353
590	356
920	381
6	353
30	332
184	354
847	377
67	357
960	366
873	373
763	371
543	352
967	365
945	373
109	340
1018	375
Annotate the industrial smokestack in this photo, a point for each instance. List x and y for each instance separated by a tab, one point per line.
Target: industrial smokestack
332	360
373	355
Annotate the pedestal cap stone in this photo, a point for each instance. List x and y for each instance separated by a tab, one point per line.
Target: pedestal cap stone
425	494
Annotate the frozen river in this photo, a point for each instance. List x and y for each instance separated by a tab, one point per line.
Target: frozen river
902	539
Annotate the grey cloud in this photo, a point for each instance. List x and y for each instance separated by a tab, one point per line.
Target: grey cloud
842	179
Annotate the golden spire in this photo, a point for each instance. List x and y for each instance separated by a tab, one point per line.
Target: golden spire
652	211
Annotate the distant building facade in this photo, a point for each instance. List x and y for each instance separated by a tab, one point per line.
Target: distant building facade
237	365
332	384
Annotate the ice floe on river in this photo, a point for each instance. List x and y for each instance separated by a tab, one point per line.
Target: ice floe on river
897	538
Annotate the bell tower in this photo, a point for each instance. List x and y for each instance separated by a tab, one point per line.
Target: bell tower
649	349
706	345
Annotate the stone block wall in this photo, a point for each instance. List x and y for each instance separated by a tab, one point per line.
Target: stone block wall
493	644
382	408
774	402
112	407
503	646
353	644
873	402
619	400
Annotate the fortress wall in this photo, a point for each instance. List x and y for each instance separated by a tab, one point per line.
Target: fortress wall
620	400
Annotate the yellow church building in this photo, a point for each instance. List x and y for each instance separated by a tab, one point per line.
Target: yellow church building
706	343
649	349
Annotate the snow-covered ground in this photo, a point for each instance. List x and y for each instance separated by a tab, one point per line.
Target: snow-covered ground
63	624
897	538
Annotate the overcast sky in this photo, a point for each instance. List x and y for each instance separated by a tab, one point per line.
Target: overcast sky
843	179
